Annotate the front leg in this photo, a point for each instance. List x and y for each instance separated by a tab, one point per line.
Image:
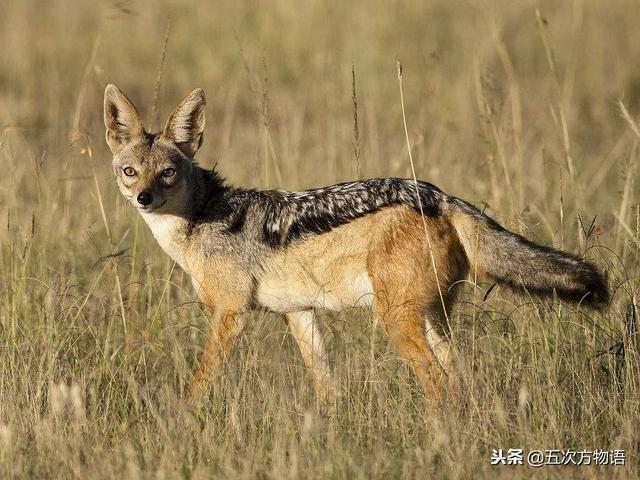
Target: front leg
226	325
225	291
311	343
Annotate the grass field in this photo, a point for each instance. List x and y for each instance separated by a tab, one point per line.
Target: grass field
528	108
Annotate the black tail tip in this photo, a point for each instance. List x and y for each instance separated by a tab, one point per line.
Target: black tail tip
596	290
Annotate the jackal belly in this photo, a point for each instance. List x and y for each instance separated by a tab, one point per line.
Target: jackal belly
295	288
326	271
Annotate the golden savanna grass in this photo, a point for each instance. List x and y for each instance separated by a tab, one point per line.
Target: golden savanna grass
527	108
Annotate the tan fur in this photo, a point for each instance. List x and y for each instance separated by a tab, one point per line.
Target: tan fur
380	260
328	271
470	232
226	301
407	290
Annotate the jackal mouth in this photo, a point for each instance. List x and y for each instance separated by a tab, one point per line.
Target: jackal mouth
149	208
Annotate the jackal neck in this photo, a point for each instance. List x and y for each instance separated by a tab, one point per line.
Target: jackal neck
208	200
166	229
205	203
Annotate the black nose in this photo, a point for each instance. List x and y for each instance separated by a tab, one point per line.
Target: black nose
145	198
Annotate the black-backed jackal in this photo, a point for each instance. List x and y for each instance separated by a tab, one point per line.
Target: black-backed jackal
396	245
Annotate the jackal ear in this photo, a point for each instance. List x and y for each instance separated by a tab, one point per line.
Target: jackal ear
121	119
186	123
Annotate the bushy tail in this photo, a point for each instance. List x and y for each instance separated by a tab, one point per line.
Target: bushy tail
514	261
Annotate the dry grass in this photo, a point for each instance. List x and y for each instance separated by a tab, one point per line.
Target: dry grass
506	108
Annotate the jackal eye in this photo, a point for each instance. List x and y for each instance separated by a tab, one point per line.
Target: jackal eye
129	171
168	172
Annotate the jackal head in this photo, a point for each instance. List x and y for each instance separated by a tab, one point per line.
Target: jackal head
153	171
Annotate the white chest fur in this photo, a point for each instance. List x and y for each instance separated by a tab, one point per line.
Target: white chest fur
165	229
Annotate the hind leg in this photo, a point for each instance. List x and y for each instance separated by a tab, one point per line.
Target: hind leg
438	335
438	328
409	275
404	324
